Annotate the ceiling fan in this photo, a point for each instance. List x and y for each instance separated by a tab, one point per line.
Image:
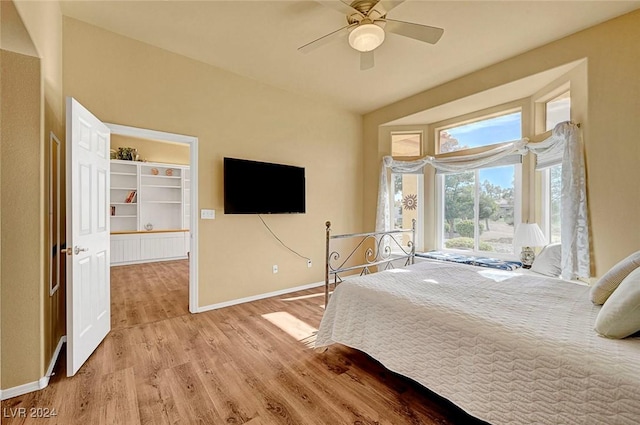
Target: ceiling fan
367	24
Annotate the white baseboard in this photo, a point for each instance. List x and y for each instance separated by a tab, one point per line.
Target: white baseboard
40	383
258	297
20	390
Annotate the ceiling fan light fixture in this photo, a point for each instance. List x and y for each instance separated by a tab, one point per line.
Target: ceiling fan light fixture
366	37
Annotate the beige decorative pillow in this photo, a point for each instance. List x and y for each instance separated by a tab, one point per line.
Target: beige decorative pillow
548	261
608	283
620	315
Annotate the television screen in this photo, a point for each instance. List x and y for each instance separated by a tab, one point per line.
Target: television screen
252	187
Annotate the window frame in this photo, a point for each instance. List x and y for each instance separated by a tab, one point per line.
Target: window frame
440	216
419	236
555	95
540	101
407	132
545	200
477	116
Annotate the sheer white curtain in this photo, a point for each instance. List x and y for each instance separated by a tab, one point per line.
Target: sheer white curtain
565	138
449	164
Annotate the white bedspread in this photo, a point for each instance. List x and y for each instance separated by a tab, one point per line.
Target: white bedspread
508	348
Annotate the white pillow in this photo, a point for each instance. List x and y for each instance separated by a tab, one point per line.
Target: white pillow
548	261
620	315
608	283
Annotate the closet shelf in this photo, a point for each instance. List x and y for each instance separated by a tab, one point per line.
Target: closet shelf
159	176
162	202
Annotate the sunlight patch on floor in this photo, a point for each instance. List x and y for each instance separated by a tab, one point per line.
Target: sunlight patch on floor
296	328
303	297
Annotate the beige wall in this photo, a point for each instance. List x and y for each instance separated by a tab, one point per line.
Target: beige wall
610	126
153	150
32	321
21	223
126	82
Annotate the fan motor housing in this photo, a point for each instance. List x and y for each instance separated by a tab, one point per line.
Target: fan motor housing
362	6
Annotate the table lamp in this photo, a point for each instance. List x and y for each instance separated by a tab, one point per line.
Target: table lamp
528	235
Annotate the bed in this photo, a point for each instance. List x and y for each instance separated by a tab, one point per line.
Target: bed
508	347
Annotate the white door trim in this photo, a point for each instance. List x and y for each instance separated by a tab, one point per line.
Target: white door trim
192	141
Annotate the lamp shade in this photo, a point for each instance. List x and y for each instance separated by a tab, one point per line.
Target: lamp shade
529	234
366	37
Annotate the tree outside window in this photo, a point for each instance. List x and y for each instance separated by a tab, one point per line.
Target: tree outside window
484	191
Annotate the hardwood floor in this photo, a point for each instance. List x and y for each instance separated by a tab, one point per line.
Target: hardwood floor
247	364
144	293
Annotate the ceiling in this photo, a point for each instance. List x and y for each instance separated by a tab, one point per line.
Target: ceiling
259	40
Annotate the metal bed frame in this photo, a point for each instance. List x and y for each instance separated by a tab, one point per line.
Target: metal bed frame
385	249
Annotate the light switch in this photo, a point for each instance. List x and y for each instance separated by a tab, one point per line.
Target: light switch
207	214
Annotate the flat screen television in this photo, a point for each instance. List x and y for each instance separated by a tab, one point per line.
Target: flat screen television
253	187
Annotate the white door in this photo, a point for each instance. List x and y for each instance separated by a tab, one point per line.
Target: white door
88	297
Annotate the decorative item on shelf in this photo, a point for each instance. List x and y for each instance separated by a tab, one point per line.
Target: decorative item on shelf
154	171
127	154
130	197
113	210
528	235
169	172
113	154
148	226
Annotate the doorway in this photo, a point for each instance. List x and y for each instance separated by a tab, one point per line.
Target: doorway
191	196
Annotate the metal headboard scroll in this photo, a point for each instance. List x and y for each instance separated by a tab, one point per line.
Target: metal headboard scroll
380	249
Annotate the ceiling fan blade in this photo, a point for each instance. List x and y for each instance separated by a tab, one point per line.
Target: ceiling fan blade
366	60
416	31
326	39
384	6
341	7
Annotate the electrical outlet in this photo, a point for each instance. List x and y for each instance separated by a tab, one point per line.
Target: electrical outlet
309	263
207	214
275	268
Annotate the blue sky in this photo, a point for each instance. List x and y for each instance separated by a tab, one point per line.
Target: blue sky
501	176
500	129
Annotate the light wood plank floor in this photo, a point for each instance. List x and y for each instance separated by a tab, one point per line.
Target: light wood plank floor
145	293
247	364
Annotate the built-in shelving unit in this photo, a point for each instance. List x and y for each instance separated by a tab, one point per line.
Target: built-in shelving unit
149	211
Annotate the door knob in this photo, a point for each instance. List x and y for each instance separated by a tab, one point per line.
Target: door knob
77	250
